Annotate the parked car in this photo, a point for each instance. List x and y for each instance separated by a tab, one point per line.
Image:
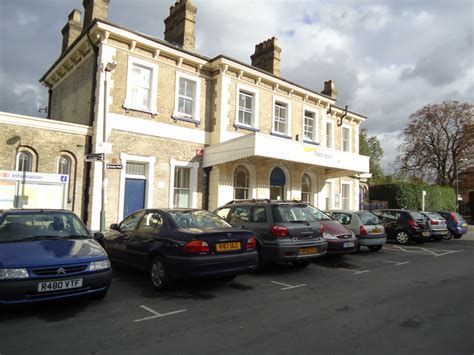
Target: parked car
181	243
437	225
404	226
457	226
364	225
340	240
285	231
49	254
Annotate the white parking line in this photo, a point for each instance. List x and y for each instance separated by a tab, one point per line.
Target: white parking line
287	287
156	314
419	250
450	252
355	272
397	263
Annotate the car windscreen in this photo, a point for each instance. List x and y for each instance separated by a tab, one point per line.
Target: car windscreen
293	213
17	227
368	218
197	219
320	216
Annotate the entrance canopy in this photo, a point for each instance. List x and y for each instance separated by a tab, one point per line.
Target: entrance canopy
256	144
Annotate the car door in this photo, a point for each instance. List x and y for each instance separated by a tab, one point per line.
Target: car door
139	244
115	240
389	221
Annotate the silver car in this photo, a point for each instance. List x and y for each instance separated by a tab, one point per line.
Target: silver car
365	226
437	223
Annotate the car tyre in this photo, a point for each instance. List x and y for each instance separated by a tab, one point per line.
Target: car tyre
261	263
227	278
448	236
375	247
301	263
159	274
437	239
402	237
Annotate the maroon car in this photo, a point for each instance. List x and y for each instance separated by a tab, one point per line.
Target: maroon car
340	240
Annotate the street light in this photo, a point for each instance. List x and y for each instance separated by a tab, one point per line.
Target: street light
457	181
108	68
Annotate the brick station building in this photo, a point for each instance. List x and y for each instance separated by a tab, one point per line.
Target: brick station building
186	130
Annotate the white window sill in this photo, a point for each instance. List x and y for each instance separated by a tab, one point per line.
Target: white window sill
140	109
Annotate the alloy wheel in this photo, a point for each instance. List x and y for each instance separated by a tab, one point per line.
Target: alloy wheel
402	237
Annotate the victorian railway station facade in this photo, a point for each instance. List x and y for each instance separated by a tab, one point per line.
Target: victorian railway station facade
163	126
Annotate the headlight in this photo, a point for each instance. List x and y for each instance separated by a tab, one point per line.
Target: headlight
99	265
329	236
6	274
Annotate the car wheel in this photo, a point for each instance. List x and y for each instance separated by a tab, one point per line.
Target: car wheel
374	247
402	237
159	274
261	264
227	278
301	263
457	236
437	239
448	236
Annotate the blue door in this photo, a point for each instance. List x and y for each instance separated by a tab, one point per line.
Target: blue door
134	195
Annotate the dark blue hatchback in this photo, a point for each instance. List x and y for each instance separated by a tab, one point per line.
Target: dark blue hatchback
49	254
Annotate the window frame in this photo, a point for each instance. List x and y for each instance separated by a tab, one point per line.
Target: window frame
254	121
193	177
247	188
153	67
315	125
349	141
348	198
30	159
309	192
287	103
331	143
196	115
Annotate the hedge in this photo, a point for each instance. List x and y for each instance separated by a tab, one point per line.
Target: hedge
409	195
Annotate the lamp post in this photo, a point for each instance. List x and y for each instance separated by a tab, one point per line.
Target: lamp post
108	68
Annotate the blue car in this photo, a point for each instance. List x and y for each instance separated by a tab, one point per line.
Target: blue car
49	254
457	226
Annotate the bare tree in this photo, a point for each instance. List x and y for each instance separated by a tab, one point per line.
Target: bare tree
438	141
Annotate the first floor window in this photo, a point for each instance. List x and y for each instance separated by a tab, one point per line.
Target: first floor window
346	136
329	134
182	187
140	88
245	108
187	96
281	118
305	188
241	183
309	124
24	161
346	190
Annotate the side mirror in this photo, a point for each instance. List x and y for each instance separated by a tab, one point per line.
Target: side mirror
98	236
114	226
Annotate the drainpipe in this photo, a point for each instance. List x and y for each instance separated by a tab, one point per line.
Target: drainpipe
207	172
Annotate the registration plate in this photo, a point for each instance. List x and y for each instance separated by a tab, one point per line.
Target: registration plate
376	231
425	234
308	250
464	224
228	246
349	245
59	285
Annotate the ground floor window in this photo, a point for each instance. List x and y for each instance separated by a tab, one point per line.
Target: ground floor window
241	183
277	184
328	196
182	187
305	188
346	194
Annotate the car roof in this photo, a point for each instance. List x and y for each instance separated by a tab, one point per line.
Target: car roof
32	210
265	201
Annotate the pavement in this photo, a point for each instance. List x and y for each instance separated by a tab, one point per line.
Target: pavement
414	299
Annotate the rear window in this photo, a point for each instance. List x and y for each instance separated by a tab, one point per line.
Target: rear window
434	215
197	219
417	216
293	213
368	218
342	218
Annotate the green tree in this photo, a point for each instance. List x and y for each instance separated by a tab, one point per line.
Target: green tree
370	146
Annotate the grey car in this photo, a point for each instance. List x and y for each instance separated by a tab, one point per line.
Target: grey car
365	226
285	231
437	224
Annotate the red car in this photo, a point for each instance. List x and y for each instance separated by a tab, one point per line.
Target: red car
340	240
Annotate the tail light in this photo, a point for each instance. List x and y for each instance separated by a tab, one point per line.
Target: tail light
251	244
434	223
362	230
321	229
453	217
196	246
279	231
412	223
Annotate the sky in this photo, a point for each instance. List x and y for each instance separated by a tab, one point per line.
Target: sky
388	58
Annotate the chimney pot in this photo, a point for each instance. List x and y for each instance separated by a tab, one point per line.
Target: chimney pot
330	89
72	29
95	9
180	24
267	56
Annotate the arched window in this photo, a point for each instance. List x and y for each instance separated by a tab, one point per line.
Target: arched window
277	184
305	188
24	161
64	165
241	183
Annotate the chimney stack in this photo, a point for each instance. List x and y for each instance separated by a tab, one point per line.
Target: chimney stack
72	29
179	25
95	9
267	56
330	89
